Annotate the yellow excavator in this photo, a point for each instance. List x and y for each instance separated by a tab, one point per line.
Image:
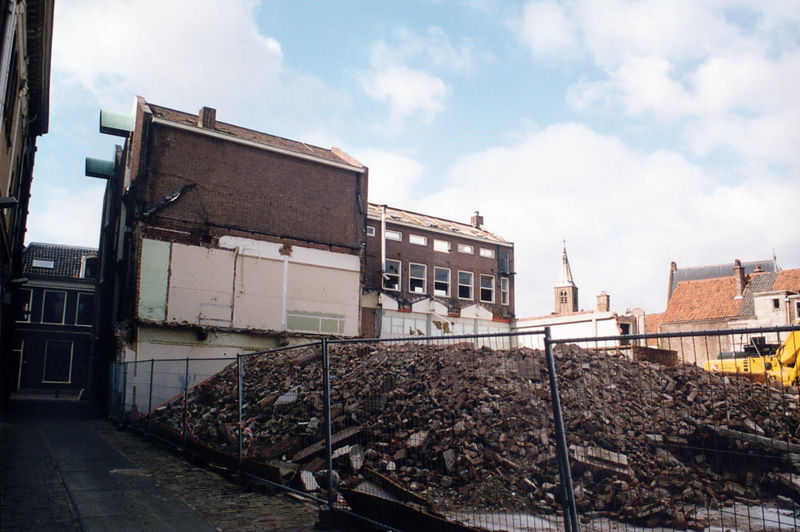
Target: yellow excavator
763	362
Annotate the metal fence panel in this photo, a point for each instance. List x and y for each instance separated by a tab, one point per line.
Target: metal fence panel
458	433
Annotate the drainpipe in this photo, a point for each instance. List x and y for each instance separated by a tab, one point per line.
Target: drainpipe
383	243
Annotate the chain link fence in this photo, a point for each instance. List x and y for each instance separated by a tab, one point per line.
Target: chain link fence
493	433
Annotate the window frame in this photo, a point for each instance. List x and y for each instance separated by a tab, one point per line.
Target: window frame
26	306
437	244
390	235
435	281
487	253
467	249
63	306
471	285
422	240
490	279
412	278
371	230
71	361
78	306
398	275
84	260
505	291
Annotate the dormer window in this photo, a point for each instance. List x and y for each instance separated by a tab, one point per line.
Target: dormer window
89	267
48	264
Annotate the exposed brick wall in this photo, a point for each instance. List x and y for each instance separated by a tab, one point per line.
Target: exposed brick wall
249	189
455	261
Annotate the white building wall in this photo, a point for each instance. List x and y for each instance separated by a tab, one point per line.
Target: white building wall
588	325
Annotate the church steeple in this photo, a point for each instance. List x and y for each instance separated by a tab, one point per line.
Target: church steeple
566	291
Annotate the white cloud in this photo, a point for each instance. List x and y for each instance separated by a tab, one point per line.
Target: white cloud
394	178
625	214
65	216
184	54
548	30
410	93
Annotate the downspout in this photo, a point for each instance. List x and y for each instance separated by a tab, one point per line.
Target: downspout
383	243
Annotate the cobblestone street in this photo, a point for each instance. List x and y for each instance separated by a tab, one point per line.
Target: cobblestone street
66	467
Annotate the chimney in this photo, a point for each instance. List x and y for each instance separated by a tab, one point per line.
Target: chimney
738	277
603	302
207	118
477	220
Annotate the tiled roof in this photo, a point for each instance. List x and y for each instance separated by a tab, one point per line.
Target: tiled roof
715	298
66	260
696	273
433	223
652	321
272	140
705	299
788	280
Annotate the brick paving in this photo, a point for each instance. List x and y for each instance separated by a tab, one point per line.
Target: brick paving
36	479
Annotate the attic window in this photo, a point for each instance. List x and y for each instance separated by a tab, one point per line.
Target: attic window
44	263
89	267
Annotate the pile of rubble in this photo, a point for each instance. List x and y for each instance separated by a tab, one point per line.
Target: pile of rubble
469	428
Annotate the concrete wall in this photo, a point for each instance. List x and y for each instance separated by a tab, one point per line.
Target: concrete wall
248	284
584	325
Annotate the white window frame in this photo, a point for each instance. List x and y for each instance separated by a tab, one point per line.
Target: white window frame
398	275
391	234
370	230
78	306
442	246
418	240
71	360
490	280
47	264
436	292
84	258
488	253
466	248
63	308
412	278
505	290
471	285
26	305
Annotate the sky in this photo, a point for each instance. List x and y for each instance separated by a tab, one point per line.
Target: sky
638	132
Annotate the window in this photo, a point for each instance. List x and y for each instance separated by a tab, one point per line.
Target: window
441	245
505	263
465	285
488	253
53	306
417	278
441	282
563	297
466	248
43	263
370	231
776	303
487	288
83	315
394	235
504	291
89	267
24	307
418	240
391	277
57	362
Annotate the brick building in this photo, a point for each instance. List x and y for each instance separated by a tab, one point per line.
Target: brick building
732	299
430	276
26	30
53	331
219	240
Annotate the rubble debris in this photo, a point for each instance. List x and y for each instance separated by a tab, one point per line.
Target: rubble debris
471	428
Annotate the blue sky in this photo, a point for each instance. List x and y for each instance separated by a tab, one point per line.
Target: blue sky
641	132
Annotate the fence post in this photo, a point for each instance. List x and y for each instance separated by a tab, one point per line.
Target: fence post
185	413
240	371
150	400
326	395
123	418
567	492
